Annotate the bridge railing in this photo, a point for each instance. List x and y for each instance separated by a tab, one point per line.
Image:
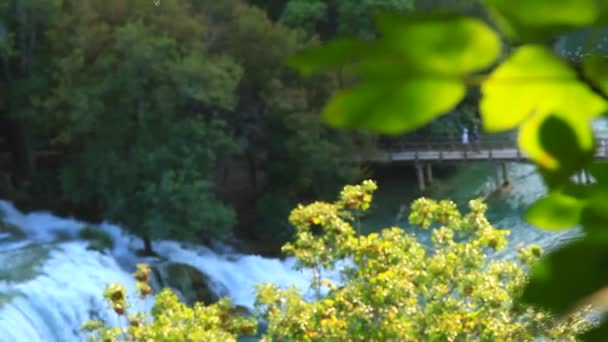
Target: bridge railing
448	145
486	143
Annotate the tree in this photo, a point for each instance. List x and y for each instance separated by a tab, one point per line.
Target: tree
24	76
347	17
393	288
147	104
139	118
552	99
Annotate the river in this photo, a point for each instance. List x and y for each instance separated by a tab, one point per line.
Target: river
50	283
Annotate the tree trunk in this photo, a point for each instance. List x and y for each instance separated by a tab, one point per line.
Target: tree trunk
253	172
148	247
21	152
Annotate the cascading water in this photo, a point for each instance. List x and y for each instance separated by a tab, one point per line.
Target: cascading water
50	283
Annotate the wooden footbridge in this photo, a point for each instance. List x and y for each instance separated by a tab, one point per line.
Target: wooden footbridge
499	151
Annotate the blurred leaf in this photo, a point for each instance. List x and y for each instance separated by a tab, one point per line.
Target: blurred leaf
444	44
402	73
595	68
537	19
555	211
332	54
599	171
537	90
571	274
560	144
594	216
393	106
533	81
602	13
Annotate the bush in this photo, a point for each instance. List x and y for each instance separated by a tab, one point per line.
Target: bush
395	289
98	239
171	320
392	287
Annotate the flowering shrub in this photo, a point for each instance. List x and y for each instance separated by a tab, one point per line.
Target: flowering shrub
393	288
171	320
396	289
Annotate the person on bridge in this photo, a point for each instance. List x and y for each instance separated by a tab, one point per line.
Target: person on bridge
465	136
475	137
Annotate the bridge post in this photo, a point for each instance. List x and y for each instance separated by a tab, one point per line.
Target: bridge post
579	177
583	177
420	174
505	173
586	177
429	174
497	175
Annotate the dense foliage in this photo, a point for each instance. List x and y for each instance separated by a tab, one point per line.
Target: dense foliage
171	119
393	288
351	16
551	97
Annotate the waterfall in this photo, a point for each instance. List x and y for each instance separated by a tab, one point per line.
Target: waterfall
50	283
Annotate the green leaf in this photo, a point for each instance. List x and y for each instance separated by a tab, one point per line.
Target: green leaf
595	68
393	106
599	171
559	144
571	274
555	211
332	55
403	73
443	44
533	81
536	90
537	19
446	45
594	216
603	13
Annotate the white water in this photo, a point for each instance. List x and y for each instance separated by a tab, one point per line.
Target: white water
67	287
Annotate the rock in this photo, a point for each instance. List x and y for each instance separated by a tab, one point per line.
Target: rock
22	264
98	239
502	191
10	232
188	282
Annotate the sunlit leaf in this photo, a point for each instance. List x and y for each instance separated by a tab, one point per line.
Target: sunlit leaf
561	145
533	81
537	19
393	106
443	44
538	91
555	211
565	278
402	74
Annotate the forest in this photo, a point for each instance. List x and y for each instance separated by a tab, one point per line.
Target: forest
178	120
